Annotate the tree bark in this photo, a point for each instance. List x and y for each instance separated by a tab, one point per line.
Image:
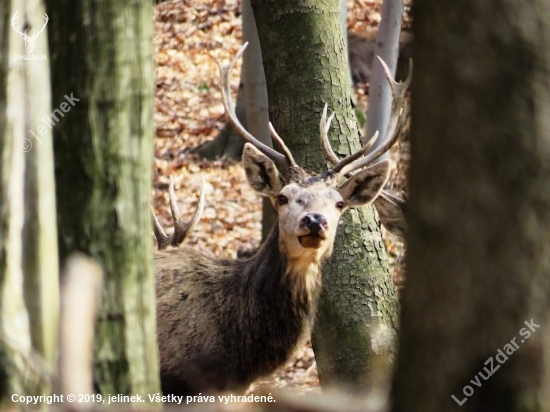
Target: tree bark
478	259
387	47
29	287
255	100
103	152
306	65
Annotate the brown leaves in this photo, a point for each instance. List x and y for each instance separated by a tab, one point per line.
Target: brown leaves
189	112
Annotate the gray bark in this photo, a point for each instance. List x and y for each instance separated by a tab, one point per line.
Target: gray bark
255	100
387	47
103	152
305	63
29	301
478	260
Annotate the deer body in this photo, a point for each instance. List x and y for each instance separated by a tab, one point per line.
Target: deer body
251	315
222	323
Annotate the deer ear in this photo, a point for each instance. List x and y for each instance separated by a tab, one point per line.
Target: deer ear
364	187
261	172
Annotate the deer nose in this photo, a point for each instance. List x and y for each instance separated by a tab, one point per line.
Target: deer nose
314	222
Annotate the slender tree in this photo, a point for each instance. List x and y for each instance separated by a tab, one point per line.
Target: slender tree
475	330
102	66
251	106
306	66
387	47
29	288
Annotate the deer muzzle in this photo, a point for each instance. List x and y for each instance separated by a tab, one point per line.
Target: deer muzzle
315	227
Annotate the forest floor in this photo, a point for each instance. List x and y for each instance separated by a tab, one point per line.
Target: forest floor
189	112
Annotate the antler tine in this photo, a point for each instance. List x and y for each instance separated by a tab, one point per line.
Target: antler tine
282	145
181	227
397	118
327	148
324	126
281	160
46	18
13	20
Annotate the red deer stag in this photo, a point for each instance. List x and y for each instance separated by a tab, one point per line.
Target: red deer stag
223	323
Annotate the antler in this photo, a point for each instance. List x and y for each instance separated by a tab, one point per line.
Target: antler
181	227
36	33
283	161
397	117
16	28
327	148
389	207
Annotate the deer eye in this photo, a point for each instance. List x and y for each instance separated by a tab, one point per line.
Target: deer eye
340	205
283	200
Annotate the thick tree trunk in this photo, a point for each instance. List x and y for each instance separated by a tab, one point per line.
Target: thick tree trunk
29	287
103	153
305	63
478	262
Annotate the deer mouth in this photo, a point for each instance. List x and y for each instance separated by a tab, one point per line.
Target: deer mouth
311	241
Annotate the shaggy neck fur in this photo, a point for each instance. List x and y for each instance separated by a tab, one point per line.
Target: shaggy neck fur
223	323
270	269
282	295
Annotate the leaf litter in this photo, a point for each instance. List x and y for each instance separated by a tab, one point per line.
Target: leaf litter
189	112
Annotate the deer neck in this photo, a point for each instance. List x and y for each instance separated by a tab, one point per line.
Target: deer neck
302	276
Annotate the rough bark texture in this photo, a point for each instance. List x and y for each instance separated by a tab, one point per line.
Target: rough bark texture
478	260
102	52
305	63
29	288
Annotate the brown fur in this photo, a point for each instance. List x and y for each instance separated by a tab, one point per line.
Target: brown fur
223	323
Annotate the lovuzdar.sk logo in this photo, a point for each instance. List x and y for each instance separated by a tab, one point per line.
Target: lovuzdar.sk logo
29	40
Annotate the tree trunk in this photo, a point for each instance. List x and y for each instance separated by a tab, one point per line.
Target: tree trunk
103	153
305	63
387	47
255	100
478	262
29	287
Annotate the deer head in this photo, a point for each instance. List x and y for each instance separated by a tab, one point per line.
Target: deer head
310	205
29	40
